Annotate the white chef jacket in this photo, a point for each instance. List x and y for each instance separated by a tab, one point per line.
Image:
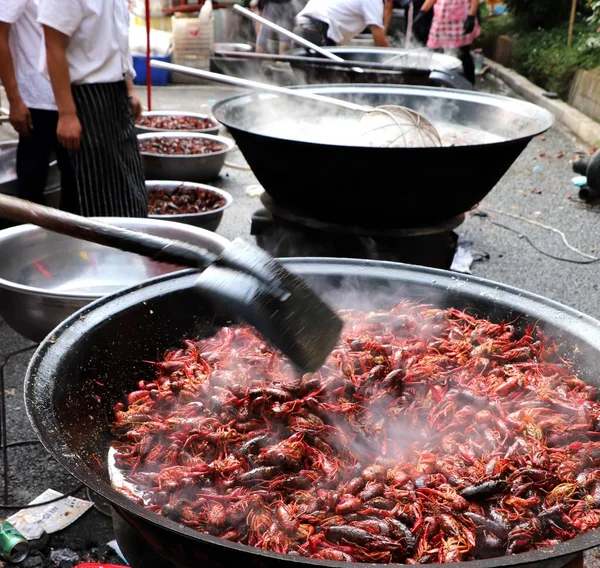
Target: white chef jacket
25	40
98	49
346	18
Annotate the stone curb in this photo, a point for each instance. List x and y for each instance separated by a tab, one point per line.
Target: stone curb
578	123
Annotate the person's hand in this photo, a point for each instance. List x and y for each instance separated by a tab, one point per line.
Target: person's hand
136	106
418	19
68	131
20	117
469	25
420	27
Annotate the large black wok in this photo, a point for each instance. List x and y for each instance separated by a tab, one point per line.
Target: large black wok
86	365
378	187
415	67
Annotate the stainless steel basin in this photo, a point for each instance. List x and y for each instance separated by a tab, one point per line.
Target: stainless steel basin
144	129
209	220
45	277
197	168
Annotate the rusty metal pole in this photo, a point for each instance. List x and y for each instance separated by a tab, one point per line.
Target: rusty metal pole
572	21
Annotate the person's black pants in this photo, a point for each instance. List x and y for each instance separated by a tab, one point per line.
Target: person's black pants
464	54
34	153
314	31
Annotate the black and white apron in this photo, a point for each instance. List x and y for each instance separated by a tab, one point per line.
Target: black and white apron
108	166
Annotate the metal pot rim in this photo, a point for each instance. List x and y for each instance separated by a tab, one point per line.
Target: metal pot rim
216	123
230	145
150	184
12	232
70	330
536	113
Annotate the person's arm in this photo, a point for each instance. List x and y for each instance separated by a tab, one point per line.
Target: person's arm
136	104
428	5
474	7
388	10
373	13
19	115
68	130
379	36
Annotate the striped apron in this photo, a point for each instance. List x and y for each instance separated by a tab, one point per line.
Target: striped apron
108	166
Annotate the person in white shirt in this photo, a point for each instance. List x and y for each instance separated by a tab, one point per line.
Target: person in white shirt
88	60
32	110
336	22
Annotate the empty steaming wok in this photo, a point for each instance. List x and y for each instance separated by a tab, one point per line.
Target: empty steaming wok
376	188
96	356
413	67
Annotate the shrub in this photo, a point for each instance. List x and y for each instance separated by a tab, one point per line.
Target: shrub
492	27
593	7
544	14
544	58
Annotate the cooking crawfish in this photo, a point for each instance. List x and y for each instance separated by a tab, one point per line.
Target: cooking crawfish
428	436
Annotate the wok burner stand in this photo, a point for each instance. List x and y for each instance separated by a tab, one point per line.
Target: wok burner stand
135	548
285	234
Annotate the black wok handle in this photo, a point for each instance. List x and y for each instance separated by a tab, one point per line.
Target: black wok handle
156	248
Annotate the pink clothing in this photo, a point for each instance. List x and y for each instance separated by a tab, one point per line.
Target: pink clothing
447	26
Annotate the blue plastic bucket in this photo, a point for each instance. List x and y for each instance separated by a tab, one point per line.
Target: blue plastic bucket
160	77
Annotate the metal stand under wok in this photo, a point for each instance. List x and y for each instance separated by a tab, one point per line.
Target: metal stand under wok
286	234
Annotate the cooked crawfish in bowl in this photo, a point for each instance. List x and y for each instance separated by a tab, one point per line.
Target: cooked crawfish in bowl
428	436
184	200
189	146
176	122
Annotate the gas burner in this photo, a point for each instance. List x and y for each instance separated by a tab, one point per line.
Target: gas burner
286	234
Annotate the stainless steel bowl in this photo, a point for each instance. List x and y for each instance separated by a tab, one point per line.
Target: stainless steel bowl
45	277
198	168
210	220
145	129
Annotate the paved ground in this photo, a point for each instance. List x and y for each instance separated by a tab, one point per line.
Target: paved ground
537	188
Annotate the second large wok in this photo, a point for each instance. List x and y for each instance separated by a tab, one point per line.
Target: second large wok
90	361
330	179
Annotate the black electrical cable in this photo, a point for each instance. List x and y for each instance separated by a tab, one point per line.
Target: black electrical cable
96	506
533	245
31	506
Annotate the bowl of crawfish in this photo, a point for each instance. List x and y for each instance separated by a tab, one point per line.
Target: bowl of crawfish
169	121
185	156
186	202
456	421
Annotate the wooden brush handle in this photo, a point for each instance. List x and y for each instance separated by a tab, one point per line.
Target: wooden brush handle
156	248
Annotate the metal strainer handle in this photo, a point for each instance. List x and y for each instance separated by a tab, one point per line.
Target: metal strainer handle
255	85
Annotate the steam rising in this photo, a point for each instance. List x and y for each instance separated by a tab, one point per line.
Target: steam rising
416	407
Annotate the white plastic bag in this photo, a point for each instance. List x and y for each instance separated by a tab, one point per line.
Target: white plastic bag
160	41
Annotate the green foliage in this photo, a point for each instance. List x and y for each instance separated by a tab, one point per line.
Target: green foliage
593	7
544	58
544	14
493	27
